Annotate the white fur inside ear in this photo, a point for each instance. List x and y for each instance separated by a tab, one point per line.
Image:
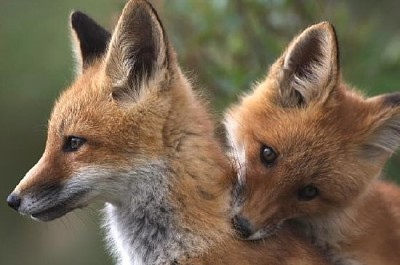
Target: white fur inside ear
386	136
138	55
309	61
76	53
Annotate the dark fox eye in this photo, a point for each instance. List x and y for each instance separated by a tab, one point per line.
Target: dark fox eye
73	143
267	155
308	193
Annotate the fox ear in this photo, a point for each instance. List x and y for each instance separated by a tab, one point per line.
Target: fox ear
384	136
139	51
89	39
310	66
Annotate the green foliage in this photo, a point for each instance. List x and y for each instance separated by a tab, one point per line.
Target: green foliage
225	45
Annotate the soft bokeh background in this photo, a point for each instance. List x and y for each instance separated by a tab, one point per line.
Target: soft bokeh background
224	45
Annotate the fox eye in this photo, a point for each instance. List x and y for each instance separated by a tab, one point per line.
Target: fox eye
267	155
308	193
73	143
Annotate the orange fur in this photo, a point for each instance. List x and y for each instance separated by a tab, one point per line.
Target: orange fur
326	135
129	120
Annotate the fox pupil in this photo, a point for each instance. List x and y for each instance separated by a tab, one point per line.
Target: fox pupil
308	193
73	143
268	155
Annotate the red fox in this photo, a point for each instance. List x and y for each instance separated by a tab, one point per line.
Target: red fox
309	149
132	133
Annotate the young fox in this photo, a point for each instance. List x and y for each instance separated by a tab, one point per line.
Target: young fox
131	132
309	150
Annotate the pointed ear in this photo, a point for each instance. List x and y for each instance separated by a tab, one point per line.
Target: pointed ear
89	39
139	51
309	67
384	135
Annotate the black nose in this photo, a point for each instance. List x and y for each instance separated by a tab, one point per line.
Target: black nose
242	226
14	201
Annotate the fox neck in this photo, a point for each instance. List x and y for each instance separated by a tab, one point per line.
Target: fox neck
176	207
142	226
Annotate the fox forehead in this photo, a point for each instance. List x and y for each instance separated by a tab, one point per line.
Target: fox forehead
86	107
344	123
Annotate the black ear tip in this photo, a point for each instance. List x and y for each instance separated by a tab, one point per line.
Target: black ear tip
77	17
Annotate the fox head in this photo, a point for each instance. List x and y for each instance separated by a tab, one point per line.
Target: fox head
109	126
305	143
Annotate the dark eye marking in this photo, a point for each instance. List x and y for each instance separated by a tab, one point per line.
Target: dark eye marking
267	155
307	193
73	143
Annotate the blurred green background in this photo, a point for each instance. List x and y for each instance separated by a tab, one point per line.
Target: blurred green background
223	45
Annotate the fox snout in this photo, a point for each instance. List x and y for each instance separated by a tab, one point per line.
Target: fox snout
42	193
247	231
253	222
48	201
26	185
242	226
14	201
